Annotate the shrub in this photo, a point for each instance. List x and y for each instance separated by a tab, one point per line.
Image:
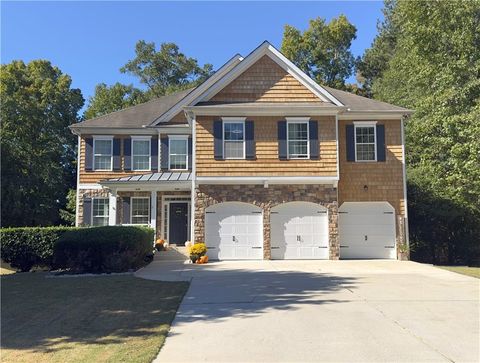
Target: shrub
104	249
26	247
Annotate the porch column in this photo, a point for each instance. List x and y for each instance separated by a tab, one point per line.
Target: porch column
153	212
112	207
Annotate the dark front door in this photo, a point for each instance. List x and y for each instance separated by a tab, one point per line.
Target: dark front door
178	223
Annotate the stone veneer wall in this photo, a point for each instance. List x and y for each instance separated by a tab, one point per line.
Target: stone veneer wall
266	198
88	193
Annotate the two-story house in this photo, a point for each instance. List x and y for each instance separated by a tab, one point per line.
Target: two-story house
259	162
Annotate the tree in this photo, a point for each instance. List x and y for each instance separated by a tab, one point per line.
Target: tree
38	150
323	50
68	214
167	70
435	70
375	59
112	98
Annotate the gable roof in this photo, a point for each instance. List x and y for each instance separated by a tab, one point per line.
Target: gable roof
138	115
355	103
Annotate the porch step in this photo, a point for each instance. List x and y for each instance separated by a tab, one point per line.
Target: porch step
173	253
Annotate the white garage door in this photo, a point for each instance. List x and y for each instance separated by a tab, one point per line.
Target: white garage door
367	230
234	231
299	230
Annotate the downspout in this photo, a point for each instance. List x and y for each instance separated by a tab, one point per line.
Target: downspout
407	237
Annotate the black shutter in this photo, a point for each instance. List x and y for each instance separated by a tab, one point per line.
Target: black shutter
87	211
381	143
190	153
154	153
127	153
89	153
282	140
126	210
350	133
249	140
314	145
117	162
164	152
218	140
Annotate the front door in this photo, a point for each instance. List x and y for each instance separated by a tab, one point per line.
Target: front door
178	223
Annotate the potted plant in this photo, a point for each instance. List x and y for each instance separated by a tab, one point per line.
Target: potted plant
197	251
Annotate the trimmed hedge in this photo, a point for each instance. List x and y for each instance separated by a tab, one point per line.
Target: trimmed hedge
104	249
26	247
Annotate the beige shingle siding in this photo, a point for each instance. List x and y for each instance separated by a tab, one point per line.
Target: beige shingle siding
384	179
267	162
265	81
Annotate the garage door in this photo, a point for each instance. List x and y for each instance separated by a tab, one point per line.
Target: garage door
234	231
299	230
367	230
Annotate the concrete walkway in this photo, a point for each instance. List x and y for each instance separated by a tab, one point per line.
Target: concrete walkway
330	311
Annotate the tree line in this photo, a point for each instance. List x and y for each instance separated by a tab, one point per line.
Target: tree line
426	56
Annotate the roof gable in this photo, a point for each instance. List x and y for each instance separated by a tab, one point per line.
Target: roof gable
265	81
266	49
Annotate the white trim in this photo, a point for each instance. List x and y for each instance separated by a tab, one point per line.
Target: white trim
263	109
404	172
94	186
112	208
368	115
187	100
268	179
150	131
131	208
299	120
165	203
178	138
365	124
153	213
103	138
337	147
142	138
233	120
267	49
194	170
77	196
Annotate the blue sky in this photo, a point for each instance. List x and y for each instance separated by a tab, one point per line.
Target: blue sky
90	41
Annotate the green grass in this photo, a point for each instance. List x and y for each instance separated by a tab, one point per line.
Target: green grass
464	270
85	319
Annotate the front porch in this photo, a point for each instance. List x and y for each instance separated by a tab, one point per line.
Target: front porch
159	200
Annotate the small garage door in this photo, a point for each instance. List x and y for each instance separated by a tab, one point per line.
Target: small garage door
299	230
234	231
367	230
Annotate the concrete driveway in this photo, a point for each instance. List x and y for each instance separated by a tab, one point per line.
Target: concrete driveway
330	311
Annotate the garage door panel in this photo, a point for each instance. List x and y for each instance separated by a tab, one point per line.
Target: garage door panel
367	230
234	231
298	231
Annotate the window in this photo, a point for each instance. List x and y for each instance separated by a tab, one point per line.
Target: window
100	211
365	146
141	154
234	139
298	140
102	153
140	210
178	153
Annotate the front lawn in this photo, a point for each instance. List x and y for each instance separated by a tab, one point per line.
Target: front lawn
464	270
85	319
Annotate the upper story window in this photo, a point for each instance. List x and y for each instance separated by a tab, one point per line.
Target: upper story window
298	139
141	153
178	152
100	211
233	138
140	213
102	153
365	142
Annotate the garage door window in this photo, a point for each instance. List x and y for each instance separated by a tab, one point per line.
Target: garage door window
365	145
